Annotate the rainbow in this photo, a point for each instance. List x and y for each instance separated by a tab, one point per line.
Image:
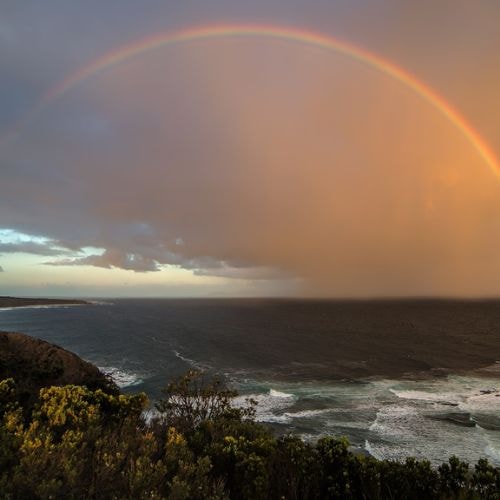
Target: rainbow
136	48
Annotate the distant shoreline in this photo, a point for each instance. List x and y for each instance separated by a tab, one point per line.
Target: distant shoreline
10	302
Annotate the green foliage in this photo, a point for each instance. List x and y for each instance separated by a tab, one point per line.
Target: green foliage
486	480
81	443
7	393
296	470
454	476
194	400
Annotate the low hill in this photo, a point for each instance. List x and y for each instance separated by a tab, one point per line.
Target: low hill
34	363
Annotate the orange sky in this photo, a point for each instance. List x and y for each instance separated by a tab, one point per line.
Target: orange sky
262	167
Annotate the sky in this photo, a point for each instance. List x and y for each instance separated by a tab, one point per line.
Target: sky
242	164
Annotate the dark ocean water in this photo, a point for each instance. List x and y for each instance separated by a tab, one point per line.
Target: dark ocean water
398	378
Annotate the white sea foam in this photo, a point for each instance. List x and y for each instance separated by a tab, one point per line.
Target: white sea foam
492	440
467	394
197	365
340	426
271	418
278	394
393	420
120	377
483	402
493	453
432	419
431	397
373	451
307	413
270	406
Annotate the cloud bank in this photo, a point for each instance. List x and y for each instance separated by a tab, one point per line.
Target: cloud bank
255	159
32	247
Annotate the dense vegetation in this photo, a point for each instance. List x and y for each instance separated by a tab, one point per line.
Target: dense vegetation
36	364
82	443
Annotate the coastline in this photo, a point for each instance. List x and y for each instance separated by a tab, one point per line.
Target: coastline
7	302
394	413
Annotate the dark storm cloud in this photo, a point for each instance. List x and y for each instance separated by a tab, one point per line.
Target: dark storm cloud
110	259
150	260
33	248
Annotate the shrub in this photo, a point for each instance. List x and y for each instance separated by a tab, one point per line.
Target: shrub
194	399
81	443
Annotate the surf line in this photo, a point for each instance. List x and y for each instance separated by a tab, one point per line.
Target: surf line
128	51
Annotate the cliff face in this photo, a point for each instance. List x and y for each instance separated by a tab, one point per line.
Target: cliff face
34	363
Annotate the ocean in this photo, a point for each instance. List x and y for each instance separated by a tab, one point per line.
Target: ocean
398	378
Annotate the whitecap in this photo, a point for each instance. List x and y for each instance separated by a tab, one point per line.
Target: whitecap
120	377
270	406
483	402
393	421
307	413
447	398
271	418
278	394
397	418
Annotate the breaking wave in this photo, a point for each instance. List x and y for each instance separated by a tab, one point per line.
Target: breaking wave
120	377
